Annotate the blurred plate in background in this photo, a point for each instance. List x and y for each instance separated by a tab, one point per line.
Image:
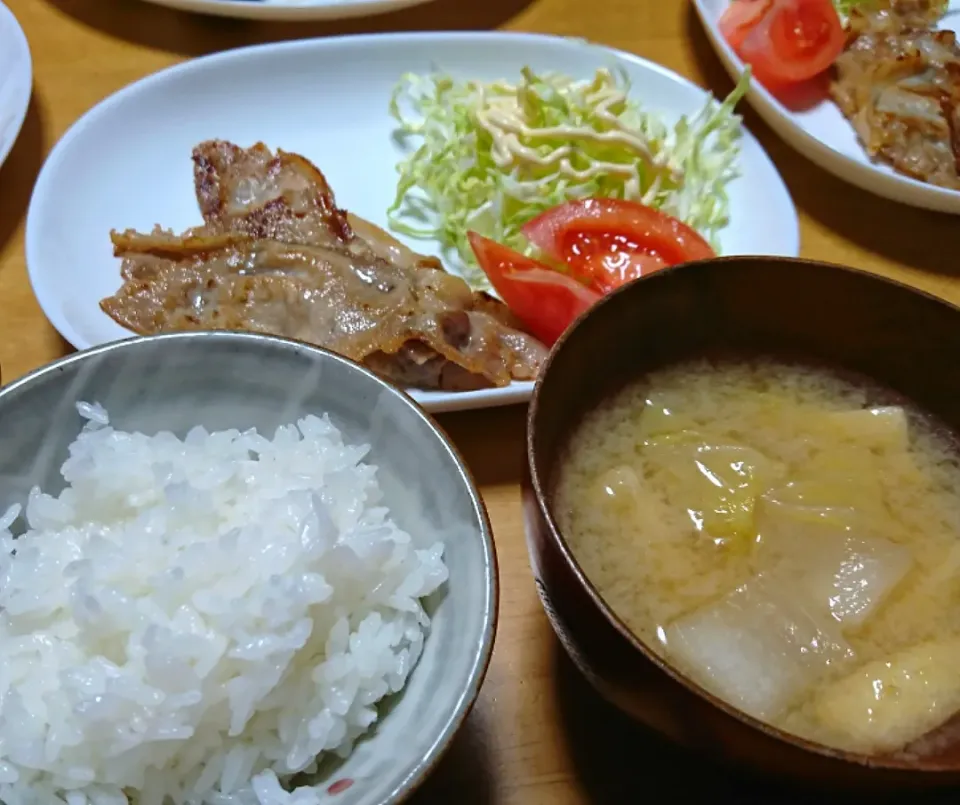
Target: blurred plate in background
815	126
16	79
289	9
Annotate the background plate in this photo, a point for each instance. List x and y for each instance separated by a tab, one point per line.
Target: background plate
288	9
814	126
326	99
16	79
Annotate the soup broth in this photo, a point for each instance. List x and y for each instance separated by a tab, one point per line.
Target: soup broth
785	537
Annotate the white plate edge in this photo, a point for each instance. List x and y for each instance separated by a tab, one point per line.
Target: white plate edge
23	103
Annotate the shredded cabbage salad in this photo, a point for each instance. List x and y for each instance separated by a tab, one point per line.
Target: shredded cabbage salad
491	156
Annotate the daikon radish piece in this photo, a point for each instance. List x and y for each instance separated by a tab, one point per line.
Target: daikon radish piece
836	569
618	488
642	515
886	704
756	649
855	579
817	502
839	486
833	567
882	427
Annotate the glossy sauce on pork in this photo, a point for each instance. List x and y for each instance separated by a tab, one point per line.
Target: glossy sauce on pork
276	255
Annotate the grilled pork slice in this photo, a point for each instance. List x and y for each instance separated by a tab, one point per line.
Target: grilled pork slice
275	255
898	82
251	191
286	198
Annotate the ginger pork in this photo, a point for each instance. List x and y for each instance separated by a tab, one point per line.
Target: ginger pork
276	255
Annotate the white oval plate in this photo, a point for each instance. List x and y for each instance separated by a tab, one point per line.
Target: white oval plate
16	80
816	128
284	94
289	9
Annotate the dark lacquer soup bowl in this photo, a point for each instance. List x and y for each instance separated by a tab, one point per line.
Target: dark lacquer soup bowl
843	318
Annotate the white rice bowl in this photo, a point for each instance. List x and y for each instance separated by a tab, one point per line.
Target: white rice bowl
198	620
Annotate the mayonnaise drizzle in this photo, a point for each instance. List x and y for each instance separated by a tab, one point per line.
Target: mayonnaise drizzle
501	115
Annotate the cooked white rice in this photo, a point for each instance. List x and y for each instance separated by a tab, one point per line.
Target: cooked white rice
192	620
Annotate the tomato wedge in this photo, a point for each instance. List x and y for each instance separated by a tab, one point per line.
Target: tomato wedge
546	301
739	18
606	242
784	41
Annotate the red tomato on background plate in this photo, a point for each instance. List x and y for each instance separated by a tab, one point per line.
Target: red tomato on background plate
784	41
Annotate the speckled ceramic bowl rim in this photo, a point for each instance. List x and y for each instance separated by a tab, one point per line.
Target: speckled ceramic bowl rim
421	768
556	535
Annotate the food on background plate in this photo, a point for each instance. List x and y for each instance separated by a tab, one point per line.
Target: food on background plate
787	538
898	83
149	659
589	247
492	156
276	255
893	75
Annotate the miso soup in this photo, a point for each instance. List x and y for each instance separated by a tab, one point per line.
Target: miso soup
787	538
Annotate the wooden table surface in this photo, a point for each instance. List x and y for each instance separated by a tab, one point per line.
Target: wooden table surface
538	734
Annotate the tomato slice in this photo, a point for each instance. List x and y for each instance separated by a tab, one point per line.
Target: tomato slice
607	242
784	41
546	301
740	17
